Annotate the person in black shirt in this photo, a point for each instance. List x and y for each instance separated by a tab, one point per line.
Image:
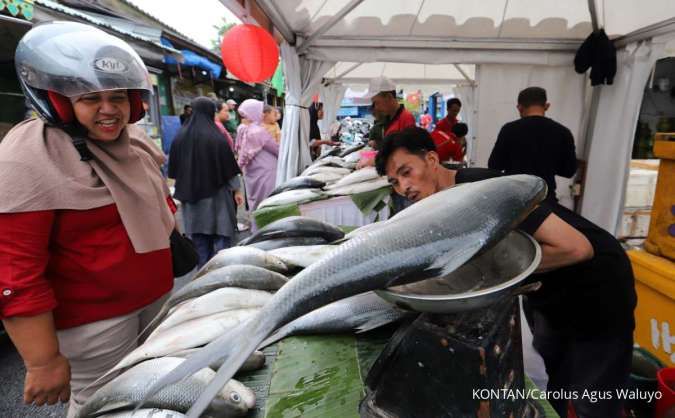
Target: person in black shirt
583	313
187	112
535	144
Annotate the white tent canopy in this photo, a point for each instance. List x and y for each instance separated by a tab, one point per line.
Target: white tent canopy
519	42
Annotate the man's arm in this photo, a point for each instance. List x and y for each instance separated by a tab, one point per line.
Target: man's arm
568	161
561	244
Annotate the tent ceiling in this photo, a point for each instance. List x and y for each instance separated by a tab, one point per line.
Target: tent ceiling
524	19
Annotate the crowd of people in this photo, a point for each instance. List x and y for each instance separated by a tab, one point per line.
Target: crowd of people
86	216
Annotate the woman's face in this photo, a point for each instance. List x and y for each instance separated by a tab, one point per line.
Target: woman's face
104	114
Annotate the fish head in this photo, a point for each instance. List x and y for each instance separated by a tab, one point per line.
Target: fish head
415	175
234	400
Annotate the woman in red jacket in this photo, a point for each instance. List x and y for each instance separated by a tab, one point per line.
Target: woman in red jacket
84	216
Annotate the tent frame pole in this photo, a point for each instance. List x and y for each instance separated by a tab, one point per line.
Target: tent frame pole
328	25
269	7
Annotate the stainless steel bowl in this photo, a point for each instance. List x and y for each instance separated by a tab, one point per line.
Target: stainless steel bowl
480	282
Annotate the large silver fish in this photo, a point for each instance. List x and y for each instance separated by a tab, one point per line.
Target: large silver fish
242	255
298	183
302	256
274	244
145	413
124	391
295	226
244	276
362	187
292	196
358	313
255	361
459	222
358	176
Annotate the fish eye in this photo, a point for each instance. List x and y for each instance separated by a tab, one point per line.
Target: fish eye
234	397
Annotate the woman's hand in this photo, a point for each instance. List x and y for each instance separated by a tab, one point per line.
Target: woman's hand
238	198
47	383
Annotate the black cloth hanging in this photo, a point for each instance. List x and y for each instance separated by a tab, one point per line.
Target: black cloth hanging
598	53
200	159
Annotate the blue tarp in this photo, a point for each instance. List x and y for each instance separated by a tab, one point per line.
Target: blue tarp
192	60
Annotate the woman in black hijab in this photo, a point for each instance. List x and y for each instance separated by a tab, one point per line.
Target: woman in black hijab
207	177
315	141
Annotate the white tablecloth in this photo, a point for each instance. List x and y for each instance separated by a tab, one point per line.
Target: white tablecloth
341	211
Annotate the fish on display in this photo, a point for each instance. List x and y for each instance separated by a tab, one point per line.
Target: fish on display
355	188
255	361
302	256
292	196
326	169
144	413
351	149
189	334
124	392
242	276
353	157
358	313
273	244
459	222
298	183
358	176
219	300
296	226
327	178
242	255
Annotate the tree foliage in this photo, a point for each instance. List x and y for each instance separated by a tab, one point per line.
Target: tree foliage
222	30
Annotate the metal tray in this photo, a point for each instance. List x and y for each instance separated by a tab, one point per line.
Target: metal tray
482	281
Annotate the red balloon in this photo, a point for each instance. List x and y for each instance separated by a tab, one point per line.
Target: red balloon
250	53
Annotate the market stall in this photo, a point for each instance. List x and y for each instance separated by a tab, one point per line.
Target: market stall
512	44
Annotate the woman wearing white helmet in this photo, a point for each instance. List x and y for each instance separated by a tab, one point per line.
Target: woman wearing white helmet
85	217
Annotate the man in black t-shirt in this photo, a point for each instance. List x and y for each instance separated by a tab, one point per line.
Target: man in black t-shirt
535	144
583	313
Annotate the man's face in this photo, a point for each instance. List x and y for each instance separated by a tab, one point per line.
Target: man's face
411	175
453	111
383	105
188	110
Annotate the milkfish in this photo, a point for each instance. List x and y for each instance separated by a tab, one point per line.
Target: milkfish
298	183
327	178
144	413
459	222
218	300
358	313
242	255
255	361
295	226
124	391
189	334
355	188
325	169
237	275
350	150
274	244
302	256
358	176
292	196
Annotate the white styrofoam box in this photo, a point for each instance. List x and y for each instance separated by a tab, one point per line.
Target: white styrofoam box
641	187
635	223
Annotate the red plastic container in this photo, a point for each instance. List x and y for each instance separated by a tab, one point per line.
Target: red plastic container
665	407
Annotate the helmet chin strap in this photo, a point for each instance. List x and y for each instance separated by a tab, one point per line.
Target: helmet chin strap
78	135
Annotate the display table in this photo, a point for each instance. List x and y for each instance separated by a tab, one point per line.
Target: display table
321	376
